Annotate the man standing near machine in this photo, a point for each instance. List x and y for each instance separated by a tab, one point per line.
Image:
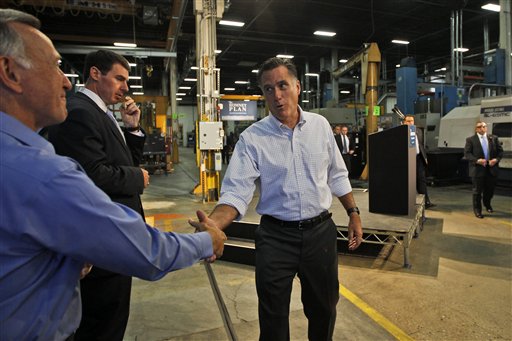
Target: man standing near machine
292	156
421	162
483	153
111	156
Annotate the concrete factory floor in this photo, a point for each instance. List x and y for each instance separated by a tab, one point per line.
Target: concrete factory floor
458	288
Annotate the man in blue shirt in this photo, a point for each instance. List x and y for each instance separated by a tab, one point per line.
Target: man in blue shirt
53	219
293	157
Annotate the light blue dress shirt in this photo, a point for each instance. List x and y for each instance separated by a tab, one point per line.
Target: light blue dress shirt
297	171
53	219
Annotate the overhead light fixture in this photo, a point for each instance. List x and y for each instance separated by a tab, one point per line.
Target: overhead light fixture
285	56
132	64
460	49
134	77
229	89
179	99
324	33
118	44
79	84
194	68
185	87
181	94
344	92
343	61
71	75
254	71
231	23
401	42
441	69
305	101
492	7
218	51
190	79
311	74
307	91
241	82
136	86
397	65
137	93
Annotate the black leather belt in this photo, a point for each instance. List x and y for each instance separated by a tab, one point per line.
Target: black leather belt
301	224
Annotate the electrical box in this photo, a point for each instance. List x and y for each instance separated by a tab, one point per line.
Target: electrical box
210	135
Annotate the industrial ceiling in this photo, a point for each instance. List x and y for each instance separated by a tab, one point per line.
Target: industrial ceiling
271	27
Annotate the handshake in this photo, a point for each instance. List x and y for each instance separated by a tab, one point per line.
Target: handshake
206	224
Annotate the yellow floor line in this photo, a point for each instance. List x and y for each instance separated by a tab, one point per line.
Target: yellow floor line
375	315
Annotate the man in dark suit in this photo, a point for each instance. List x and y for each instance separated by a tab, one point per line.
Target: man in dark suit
345	144
111	156
421	162
483	153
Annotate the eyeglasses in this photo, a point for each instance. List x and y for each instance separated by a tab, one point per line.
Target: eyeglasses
481	126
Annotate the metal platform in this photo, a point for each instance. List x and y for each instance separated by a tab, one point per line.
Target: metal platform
377	229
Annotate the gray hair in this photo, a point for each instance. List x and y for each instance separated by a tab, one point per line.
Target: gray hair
11	43
275	62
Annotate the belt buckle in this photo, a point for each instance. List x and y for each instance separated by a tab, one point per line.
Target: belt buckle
299	226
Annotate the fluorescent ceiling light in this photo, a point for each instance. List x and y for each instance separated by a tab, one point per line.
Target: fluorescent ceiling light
305	101
307	91
246	100
231	23
132	64
137	93
229	89
286	56
179	99
218	51
190	79
397	65
402	42
324	33
254	71
136	86
344	92
343	60
185	87
71	75
492	7
79	84
441	69
181	94
125	44
241	82
134	77
460	49
194	68
311	74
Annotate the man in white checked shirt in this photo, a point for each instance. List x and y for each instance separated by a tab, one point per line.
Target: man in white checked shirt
293	157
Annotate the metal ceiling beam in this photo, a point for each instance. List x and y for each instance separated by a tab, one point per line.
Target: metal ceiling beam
139	52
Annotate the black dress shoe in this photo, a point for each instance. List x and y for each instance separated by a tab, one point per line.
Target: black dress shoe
429	205
478	214
490	210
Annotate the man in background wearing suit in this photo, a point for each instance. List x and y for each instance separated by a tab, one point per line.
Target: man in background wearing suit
483	153
421	162
345	144
111	156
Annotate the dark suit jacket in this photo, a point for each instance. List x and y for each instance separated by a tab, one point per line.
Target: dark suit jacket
351	144
474	151
89	136
423	153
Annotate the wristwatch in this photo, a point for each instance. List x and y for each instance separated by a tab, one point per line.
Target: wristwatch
352	210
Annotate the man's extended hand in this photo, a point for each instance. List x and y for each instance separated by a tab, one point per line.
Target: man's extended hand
218	237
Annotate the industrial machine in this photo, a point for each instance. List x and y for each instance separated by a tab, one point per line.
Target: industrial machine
459	124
